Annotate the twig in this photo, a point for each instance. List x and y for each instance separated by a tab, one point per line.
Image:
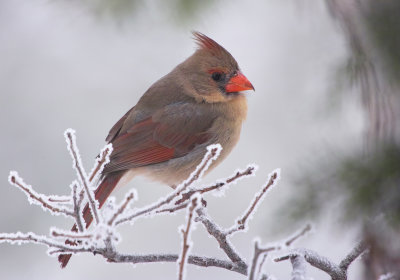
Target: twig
116	257
99	165
241	223
264	258
19	237
352	255
77	206
296	236
337	272
61	199
257	252
185	235
211	155
239	174
221	237
122	208
101	161
36	198
263	251
70	136
172	209
70	235
112	256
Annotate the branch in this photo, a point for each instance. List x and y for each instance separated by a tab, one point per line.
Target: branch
122	208
185	234
212	153
299	267
112	256
36	198
77	164
221	237
337	272
238	175
30	237
172	209
352	255
257	252
297	235
101	161
77	205
241	223
195	260
115	257
264	251
70	235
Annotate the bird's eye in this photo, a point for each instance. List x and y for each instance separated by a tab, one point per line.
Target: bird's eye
216	76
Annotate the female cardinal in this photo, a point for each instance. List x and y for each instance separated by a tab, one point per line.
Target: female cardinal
165	135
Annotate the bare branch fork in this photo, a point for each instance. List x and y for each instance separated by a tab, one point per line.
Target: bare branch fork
102	237
336	272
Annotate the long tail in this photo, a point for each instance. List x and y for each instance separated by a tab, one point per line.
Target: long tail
102	192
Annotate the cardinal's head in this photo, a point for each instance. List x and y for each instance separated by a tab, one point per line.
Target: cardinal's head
213	72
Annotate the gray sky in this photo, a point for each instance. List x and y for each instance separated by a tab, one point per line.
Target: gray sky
63	67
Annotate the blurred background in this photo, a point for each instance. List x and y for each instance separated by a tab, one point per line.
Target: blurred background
325	110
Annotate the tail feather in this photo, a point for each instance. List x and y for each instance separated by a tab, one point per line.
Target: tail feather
102	192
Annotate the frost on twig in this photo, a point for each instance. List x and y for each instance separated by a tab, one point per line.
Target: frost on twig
129	197
38	199
186	244
78	166
336	272
241	223
212	154
77	202
219	185
259	251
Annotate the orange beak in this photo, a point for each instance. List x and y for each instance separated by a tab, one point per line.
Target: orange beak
238	83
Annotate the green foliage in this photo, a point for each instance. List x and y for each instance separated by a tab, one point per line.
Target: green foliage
120	10
383	24
364	186
373	184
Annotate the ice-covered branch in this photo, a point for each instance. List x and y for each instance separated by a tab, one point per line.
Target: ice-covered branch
221	237
36	198
70	235
213	152
259	251
131	195
115	257
256	255
185	237
352	255
101	238
77	201
238	175
299	267
78	166
30	237
336	272
101	161
241	223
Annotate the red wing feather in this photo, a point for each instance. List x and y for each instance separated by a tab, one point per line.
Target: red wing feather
149	142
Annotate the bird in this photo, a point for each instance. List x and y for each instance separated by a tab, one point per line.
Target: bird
165	135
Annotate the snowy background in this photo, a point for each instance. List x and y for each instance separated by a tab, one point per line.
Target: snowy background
61	66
